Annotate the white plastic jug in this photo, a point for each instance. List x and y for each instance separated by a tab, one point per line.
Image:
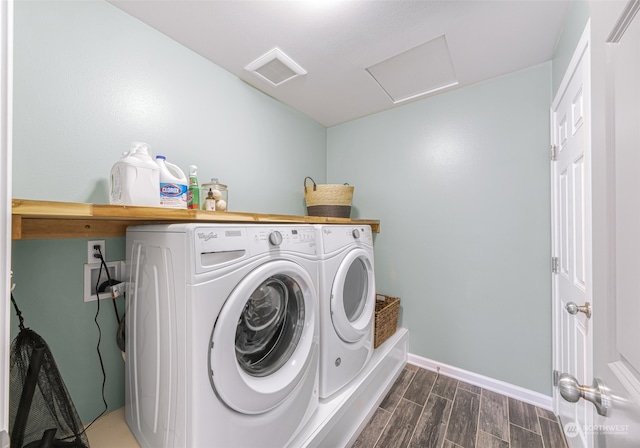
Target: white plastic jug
134	178
174	185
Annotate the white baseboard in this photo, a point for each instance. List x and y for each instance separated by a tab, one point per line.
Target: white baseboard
510	390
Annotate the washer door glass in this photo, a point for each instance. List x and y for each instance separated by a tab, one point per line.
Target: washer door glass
355	290
353	296
270	326
264	338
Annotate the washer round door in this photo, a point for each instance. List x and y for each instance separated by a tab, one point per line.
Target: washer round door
353	296
263	340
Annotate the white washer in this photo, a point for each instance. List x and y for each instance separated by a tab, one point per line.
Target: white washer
222	334
347	303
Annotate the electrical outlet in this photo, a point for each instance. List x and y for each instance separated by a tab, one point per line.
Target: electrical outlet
91	271
91	251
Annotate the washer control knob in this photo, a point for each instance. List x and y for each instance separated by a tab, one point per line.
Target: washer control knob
355	233
275	238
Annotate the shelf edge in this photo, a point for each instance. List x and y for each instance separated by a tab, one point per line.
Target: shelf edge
32	219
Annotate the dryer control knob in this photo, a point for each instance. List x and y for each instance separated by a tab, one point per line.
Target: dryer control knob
275	238
355	233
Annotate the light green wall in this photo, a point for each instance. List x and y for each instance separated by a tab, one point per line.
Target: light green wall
89	79
49	292
572	28
460	183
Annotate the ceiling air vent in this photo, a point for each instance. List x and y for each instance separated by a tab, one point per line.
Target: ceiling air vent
275	67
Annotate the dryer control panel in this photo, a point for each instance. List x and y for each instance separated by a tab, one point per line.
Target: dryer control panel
335	237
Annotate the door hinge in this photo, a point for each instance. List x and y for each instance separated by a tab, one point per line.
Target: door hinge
556	376
554	153
555	262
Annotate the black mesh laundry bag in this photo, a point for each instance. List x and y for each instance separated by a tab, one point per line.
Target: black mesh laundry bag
41	413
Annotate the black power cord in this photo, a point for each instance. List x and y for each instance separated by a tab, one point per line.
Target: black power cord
120	334
104	373
101	287
109	282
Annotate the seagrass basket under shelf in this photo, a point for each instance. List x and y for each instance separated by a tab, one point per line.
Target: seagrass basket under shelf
386	320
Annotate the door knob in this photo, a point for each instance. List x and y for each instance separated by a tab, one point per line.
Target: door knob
572	308
572	391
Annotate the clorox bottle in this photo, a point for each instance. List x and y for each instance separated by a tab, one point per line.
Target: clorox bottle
173	184
134	178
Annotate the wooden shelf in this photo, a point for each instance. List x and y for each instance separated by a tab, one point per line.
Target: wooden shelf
34	220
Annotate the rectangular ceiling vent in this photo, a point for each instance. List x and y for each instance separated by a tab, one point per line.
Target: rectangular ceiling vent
275	67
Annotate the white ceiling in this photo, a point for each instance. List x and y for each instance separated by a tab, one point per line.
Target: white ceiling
336	40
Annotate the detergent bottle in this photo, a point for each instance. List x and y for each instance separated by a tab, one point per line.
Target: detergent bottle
173	184
134	178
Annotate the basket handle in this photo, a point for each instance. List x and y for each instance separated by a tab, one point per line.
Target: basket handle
314	184
305	184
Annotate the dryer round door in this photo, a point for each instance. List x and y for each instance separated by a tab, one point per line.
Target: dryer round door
353	296
263	339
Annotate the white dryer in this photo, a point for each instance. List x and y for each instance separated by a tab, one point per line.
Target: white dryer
347	303
222	334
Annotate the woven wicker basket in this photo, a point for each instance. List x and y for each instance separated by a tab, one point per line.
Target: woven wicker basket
387	310
328	200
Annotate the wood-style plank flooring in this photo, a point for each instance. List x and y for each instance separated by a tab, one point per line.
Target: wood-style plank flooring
427	410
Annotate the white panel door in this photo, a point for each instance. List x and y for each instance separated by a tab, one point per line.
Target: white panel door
617	328
627	186
6	29
571	177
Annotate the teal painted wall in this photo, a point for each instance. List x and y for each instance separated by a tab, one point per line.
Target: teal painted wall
49	292
460	183
89	79
572	28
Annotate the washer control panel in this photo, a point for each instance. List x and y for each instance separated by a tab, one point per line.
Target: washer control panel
221	245
293	238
